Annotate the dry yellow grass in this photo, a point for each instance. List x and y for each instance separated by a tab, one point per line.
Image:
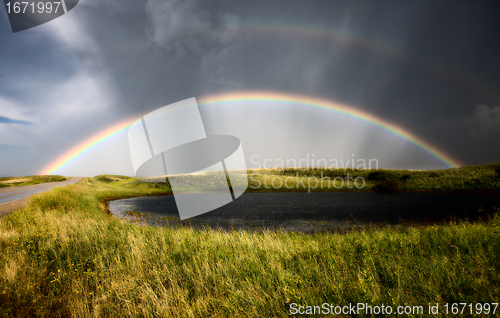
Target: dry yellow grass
16	180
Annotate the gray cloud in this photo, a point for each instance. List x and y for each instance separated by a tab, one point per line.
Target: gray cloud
185	25
178	24
486	120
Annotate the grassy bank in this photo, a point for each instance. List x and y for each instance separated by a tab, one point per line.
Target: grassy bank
6	182
468	178
61	256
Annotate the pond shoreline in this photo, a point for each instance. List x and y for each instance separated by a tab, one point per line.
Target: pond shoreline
323	211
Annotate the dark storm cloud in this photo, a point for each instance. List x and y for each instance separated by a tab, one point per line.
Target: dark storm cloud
425	65
196	38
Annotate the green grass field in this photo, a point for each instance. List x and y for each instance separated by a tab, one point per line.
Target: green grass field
62	256
6	182
468	178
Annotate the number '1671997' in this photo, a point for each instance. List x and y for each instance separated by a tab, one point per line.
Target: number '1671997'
30	7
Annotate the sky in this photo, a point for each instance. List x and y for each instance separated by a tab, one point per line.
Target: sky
431	68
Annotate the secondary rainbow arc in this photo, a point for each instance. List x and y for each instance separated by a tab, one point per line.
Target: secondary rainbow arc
247	98
329	34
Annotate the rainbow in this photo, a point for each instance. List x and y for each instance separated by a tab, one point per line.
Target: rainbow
387	48
86	146
249	99
287	100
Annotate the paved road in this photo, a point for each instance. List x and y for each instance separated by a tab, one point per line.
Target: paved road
13	198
